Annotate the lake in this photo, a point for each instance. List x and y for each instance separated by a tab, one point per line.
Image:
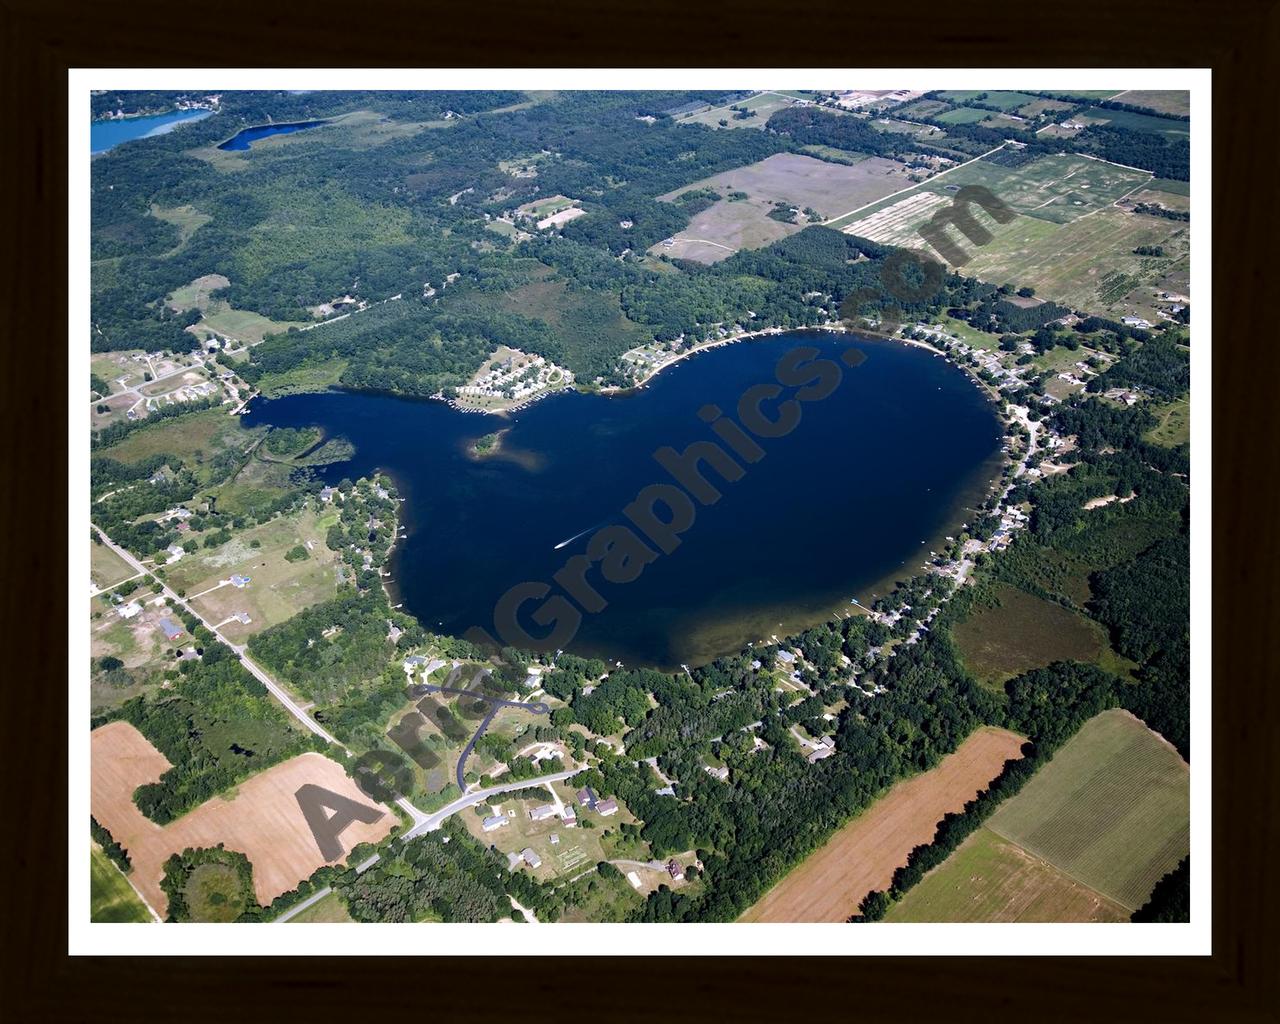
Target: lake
242	140
105	135
854	497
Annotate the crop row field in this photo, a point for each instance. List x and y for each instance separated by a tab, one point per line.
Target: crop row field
1069	240
862	856
1085	840
800	181
1112	809
261	818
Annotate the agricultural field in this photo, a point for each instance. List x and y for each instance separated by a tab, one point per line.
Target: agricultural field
862	856
1138	122
1111	810
763	104
963	115
1023	632
802	181
1069	242
111	898
1002	98
989	879
260	818
1162	101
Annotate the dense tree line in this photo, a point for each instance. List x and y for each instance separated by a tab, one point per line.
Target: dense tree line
1170	900
116	853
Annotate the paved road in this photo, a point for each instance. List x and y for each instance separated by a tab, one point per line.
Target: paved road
430	823
496	704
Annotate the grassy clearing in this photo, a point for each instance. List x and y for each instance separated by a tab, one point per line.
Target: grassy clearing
1023	632
330	910
190	438
963	115
196	295
763	104
1112	809
1139	122
305	378
215	893
989	879
278	589
106	568
111	898
187	219
1174	427
240	324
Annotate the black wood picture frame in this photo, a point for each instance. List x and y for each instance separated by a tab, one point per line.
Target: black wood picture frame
1238	39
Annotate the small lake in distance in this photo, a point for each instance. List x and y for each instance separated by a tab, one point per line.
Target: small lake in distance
853	498
105	135
242	140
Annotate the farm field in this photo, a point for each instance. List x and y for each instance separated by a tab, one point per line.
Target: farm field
1023	632
261	818
1089	264
963	115
801	181
862	856
763	104
277	590
1162	101
1139	122
1111	809
111	899
989	879
1002	98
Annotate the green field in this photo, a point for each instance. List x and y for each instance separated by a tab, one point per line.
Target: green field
1002	98
1162	101
1139	122
330	910
1112	809
763	104
106	567
215	893
989	879
964	115
1023	632
1174	427
190	437
111	897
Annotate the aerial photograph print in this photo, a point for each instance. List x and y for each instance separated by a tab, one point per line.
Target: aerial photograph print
646	499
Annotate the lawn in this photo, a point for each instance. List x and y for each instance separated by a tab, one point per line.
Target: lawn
989	879
111	898
1112	809
1023	632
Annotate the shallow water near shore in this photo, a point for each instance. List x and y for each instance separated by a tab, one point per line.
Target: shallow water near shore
853	498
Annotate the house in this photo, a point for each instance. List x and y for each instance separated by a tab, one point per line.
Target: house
128	611
326	494
542	812
170	628
665	791
175	552
820	752
786	657
607	807
570	818
721	773
239	581
586	798
414	661
495	822
1134	321
675	871
531	858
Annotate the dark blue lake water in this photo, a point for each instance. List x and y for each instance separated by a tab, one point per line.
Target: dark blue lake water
838	508
246	138
105	135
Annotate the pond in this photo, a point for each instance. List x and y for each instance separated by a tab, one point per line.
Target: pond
242	140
